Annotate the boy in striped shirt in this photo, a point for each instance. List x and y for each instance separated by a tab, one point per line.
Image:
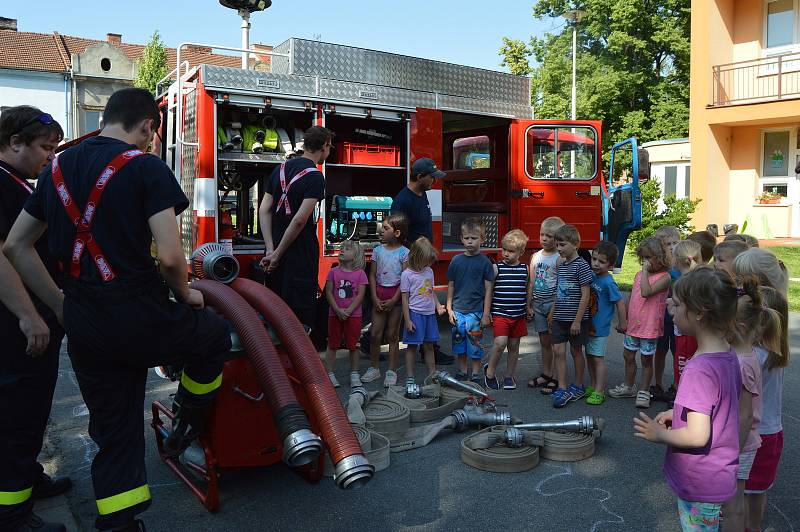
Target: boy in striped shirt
569	319
510	295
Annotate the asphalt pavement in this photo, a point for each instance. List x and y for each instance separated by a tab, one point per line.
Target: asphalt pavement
620	488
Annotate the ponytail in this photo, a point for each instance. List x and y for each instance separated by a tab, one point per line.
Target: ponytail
778	348
754	319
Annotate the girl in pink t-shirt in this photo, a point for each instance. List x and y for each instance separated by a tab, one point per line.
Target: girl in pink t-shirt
645	319
702	431
755	324
345	289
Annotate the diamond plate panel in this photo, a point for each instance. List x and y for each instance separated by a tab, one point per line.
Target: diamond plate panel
373	94
484	106
251	80
188	171
451	227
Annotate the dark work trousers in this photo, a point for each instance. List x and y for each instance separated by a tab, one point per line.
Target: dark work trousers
26	393
295	279
115	335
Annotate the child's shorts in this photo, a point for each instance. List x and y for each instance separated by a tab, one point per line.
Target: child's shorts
596	346
348	330
703	516
765	465
511	327
745	465
646	346
540	311
465	343
561	334
386	292
426	329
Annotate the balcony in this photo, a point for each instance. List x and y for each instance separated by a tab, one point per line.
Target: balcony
769	79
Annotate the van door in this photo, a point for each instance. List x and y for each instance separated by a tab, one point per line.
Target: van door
622	198
556	171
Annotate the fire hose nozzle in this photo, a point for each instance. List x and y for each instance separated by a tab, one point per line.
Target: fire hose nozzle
583	424
413	391
464	418
445	379
353	472
514	437
301	448
360	391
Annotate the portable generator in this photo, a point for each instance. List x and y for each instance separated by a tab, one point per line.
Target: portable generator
358	218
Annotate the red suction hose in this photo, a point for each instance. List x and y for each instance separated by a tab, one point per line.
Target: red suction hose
352	469
300	445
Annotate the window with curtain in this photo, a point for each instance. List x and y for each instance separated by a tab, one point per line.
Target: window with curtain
670	181
775	160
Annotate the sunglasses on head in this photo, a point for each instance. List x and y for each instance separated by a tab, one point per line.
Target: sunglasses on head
42	118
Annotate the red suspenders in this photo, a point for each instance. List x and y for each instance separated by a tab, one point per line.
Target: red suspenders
21	182
284	200
83	221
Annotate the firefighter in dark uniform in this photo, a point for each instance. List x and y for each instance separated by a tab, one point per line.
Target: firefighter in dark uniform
31	336
102	202
292	193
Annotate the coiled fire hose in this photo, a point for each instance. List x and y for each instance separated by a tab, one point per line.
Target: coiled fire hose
300	445
352	469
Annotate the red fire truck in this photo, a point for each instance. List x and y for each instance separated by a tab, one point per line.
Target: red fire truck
226	129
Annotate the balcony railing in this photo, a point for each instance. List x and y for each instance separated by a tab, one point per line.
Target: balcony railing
757	81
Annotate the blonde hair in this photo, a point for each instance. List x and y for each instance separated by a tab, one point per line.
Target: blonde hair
776	301
764	264
422	254
516	239
687	252
358	258
474	225
755	320
666	231
551	224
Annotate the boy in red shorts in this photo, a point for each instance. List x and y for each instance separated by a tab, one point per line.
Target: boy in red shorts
510	296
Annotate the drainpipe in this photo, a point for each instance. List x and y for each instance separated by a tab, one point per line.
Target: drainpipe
67	102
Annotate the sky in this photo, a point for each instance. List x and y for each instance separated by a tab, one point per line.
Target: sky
466	32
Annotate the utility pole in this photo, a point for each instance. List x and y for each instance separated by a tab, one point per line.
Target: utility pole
575	16
245	8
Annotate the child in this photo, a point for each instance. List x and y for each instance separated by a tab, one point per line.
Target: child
543	293
345	289
384	285
703	441
725	252
469	298
754	323
646	320
569	319
771	273
707	243
751	241
420	306
509	309
669	236
604	257
685	258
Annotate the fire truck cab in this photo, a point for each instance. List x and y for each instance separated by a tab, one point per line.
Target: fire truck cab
226	129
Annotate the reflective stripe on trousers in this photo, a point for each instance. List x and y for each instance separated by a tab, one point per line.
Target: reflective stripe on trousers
120	501
198	388
8	498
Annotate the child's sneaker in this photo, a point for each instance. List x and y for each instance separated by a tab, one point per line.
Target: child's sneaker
643	399
589	391
372	374
390	379
623	390
490	382
577	392
332	377
561	397
509	383
595	398
355	380
657	393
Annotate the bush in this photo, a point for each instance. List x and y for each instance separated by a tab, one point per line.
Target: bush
677	212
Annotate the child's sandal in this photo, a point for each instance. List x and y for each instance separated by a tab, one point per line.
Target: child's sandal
537	382
550	387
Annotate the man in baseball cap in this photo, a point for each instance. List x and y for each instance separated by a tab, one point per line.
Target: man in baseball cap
413	200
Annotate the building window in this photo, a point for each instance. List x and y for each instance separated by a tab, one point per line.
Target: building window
775	159
781	189
561	153
470	153
670	181
780	19
686	181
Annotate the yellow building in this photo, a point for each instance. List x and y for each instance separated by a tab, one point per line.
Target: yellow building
745	114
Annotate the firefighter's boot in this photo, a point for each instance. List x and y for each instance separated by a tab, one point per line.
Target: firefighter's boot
187	425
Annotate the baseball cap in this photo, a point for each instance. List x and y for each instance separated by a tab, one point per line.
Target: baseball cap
426	166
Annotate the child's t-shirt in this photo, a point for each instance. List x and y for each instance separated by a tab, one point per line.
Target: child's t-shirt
388	264
751	381
607	296
544	276
345	288
710	384
646	314
468	273
510	296
771	396
572	276
419	286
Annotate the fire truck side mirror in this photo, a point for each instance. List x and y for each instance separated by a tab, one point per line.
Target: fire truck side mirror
644	165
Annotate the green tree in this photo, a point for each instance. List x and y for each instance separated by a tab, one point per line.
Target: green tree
633	66
152	65
677	213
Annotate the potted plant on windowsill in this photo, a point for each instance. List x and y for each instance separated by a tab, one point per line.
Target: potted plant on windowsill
768	198
777	159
